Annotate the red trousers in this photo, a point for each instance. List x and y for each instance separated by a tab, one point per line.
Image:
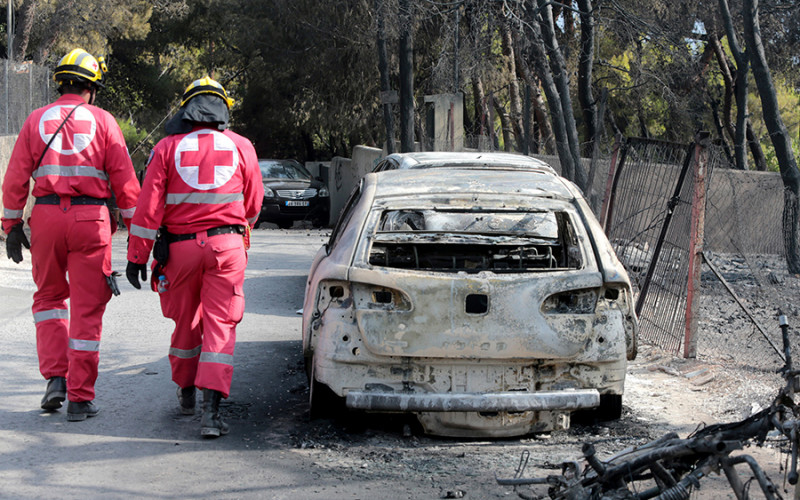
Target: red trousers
74	239
205	299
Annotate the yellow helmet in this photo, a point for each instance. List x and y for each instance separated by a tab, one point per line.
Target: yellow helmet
81	66
206	85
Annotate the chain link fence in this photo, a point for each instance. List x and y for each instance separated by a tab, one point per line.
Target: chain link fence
745	281
26	86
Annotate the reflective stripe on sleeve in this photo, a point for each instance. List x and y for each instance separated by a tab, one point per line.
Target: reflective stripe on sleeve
84	345
40	316
204	198
217	357
143	232
69	171
127	212
185	353
252	220
12	214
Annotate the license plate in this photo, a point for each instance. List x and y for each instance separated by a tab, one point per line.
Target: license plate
292	203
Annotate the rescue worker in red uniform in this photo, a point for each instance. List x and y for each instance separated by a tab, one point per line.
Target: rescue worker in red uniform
201	195
77	156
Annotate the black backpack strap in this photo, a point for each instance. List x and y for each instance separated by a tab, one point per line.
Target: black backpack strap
52	138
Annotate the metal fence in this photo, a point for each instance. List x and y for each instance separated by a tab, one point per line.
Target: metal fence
647	222
744	270
745	282
26	86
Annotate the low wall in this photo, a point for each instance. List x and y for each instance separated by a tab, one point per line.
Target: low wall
6	146
345	174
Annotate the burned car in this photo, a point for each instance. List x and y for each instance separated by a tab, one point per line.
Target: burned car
485	301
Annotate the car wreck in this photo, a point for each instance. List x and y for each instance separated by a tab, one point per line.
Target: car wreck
485	301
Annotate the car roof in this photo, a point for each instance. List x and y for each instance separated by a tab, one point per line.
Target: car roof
283	161
468	180
483	159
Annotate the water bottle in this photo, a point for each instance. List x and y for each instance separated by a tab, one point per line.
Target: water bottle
163	284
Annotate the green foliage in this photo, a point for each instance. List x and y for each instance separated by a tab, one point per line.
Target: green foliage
305	79
771	157
133	137
788	99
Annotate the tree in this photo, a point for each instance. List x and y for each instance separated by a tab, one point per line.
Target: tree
778	134
406	76
383	69
47	29
736	84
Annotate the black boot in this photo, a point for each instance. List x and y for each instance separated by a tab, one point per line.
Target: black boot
186	399
80	410
55	394
211	424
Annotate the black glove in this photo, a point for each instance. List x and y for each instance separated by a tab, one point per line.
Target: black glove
14	241
132	272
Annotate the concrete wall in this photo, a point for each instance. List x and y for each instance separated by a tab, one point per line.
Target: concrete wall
345	174
6	145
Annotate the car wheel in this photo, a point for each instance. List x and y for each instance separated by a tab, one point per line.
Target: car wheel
285	224
610	409
322	401
307	363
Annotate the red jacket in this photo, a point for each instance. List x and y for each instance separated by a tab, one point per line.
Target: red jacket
194	182
88	157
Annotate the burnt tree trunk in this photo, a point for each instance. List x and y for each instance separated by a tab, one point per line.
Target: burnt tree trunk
383	69
406	77
585	64
777	132
547	141
739	86
554	103
481	108
755	148
505	122
738	159
558	69
515	98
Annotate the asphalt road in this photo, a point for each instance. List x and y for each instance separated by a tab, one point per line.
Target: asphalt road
139	445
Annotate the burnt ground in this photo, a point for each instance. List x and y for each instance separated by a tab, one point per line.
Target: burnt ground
663	394
728	381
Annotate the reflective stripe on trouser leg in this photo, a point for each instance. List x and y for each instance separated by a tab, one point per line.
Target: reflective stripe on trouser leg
181	303
89	242
50	315
224	262
51	341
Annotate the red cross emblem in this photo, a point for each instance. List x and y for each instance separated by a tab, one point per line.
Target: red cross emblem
76	134
206	159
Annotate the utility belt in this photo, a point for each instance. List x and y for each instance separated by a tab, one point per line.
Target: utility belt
234	229
54	199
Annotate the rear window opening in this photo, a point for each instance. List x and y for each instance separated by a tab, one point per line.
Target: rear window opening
475	241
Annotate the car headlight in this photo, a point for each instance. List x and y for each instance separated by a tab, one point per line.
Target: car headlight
268	193
323	192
